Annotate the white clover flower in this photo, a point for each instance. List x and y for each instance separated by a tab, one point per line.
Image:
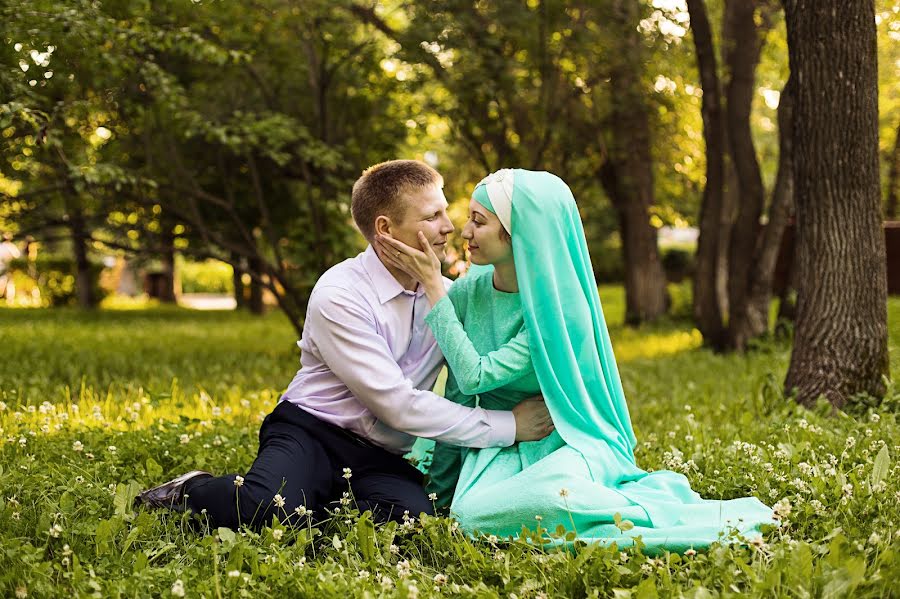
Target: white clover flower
347	473
23	441
691	552
394	549
79	479
538	518
847	490
21	592
412	591
55	531
851	441
782	509
184	439
66	550
77	446
277	534
874	538
301	510
874	417
216	411
386	582
403	568
432	497
238	481
440	579
2	406
564	492
112	449
234	574
301	562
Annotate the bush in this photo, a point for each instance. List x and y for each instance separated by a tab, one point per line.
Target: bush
54	277
210	276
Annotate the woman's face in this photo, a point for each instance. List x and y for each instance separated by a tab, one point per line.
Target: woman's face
483	232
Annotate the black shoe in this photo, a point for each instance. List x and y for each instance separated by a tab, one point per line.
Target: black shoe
169	494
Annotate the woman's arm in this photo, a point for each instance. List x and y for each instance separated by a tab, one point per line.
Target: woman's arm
476	373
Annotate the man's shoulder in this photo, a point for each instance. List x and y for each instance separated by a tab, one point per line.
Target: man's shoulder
343	281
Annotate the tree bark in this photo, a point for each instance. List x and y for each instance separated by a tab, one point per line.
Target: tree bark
893	191
840	341
762	273
256	289
167	291
238	281
84	285
627	175
707	311
742	53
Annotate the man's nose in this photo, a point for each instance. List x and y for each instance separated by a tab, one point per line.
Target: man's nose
448	226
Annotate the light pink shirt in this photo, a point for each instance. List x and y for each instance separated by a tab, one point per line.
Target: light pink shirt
368	359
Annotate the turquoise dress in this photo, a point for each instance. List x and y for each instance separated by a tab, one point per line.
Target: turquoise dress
484	337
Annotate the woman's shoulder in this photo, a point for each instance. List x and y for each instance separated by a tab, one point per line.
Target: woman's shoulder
471	282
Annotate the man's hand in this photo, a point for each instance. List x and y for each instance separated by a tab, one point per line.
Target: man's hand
532	420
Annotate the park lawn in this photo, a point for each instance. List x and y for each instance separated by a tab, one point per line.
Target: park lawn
97	406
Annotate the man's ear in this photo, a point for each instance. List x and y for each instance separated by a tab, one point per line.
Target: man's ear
383	226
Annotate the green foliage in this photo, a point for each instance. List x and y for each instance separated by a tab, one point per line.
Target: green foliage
54	278
210	276
97	405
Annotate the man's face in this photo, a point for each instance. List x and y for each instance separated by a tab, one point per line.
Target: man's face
426	211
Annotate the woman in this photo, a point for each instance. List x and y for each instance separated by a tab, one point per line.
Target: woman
530	323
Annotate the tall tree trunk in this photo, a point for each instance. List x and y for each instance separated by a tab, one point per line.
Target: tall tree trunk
167	290
893	191
707	311
762	273
84	285
627	174
256	290
743	45
840	341
238	281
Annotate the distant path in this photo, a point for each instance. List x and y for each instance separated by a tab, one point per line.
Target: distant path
207	301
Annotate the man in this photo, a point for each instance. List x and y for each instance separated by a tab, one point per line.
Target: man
360	397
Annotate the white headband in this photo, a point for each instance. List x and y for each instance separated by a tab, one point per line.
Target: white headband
499	187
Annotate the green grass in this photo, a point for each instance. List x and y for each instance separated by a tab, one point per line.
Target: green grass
148	394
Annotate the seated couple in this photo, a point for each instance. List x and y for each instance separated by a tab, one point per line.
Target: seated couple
534	422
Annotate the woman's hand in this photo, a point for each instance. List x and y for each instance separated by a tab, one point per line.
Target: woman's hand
421	264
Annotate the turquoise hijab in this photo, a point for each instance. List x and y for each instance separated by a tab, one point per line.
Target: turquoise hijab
570	345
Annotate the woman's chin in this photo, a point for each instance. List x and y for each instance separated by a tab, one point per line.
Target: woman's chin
476	259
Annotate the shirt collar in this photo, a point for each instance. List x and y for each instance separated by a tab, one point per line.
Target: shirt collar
386	286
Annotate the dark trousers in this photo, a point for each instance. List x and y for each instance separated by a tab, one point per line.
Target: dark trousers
302	459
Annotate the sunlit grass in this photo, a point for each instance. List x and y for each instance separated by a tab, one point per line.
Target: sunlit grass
96	405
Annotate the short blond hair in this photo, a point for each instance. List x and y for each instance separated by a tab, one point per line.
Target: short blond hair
379	191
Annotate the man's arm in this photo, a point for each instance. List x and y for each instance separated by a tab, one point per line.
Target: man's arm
349	344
